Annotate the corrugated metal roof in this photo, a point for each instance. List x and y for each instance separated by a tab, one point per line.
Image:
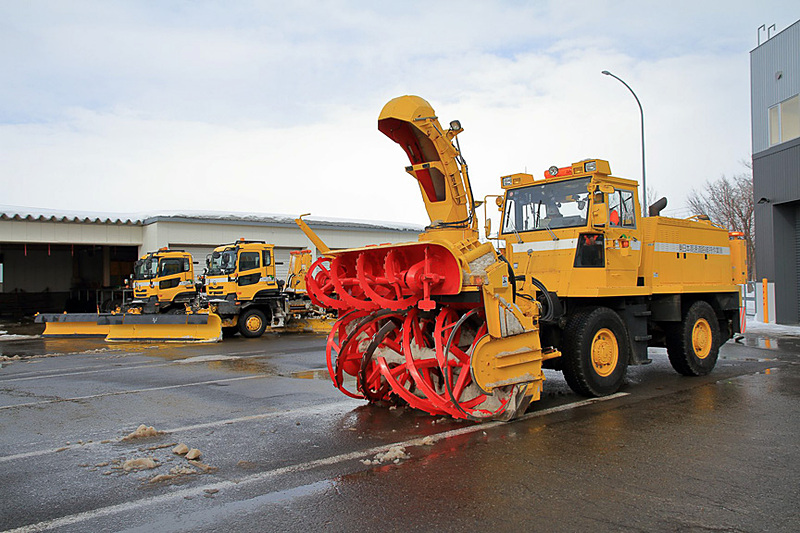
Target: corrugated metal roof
36	214
271	219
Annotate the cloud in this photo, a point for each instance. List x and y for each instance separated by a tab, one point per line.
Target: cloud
272	107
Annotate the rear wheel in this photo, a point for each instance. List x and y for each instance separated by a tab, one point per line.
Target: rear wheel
252	323
595	352
693	345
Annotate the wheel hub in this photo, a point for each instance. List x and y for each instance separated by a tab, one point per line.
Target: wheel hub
701	338
253	323
605	352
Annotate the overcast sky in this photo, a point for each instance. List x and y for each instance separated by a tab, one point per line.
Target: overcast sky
271	107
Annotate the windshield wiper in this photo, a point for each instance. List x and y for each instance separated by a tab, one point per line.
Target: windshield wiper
547	227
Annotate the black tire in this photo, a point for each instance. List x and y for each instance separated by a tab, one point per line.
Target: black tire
693	344
252	323
228	332
599	330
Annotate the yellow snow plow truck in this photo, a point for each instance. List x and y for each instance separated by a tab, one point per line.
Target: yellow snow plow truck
581	283
164	307
242	288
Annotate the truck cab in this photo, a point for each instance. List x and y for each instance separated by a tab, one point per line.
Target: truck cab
242	288
578	229
163	281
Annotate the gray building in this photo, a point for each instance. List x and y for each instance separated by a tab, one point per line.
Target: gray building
53	261
775	110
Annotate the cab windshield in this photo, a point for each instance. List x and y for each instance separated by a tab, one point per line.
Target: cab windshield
145	268
220	263
561	204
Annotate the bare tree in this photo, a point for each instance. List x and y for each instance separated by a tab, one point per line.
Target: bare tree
729	203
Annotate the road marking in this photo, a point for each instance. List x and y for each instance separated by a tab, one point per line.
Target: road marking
289	469
313	410
139	365
118	393
134	366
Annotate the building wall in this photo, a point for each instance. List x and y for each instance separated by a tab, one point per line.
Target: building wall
777	55
34	231
775	77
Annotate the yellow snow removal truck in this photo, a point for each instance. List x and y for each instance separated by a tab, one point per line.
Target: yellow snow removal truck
584	284
242	288
163	282
164	307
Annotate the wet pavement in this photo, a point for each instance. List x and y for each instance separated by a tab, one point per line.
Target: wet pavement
284	451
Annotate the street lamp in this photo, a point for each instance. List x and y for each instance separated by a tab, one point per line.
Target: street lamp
641	112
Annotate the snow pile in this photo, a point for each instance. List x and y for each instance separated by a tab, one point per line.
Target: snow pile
393	454
180	449
771	329
144	463
141	432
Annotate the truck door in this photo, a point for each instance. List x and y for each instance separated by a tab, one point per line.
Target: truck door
623	239
174	275
250	273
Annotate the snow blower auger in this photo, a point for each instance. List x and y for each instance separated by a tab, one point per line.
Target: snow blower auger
433	324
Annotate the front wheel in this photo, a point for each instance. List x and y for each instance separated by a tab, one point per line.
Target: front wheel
693	345
595	352
252	323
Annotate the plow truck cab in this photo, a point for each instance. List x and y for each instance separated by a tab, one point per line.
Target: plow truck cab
611	282
242	288
163	282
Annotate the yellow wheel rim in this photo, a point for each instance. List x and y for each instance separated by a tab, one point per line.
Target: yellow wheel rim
605	352
701	338
253	323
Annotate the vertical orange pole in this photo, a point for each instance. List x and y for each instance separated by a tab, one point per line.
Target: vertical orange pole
765	297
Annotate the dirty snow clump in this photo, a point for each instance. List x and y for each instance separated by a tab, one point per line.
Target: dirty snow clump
393	454
144	463
141	432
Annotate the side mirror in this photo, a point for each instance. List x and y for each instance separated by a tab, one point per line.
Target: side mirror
599	216
488	227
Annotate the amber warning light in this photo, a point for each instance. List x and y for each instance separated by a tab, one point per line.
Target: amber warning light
555	172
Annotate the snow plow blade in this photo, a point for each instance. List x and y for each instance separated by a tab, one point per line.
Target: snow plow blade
72	325
199	327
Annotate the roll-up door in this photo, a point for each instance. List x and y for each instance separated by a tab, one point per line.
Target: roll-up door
797	257
282	255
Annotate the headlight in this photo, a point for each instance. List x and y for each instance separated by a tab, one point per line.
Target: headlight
591	166
507	181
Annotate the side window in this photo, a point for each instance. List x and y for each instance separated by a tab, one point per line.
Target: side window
248	260
621	210
186	265
171	266
267	257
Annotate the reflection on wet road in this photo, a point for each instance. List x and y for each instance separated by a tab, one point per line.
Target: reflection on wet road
283	451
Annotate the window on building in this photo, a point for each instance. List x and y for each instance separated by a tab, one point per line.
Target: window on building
784	121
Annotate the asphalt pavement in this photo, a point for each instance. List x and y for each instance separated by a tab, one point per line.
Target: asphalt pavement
282	450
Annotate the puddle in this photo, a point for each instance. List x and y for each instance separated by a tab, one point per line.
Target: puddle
319	373
207	358
766	343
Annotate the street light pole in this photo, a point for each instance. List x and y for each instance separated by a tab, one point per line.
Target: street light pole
641	113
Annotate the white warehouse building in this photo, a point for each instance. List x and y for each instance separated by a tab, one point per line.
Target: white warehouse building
53	261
